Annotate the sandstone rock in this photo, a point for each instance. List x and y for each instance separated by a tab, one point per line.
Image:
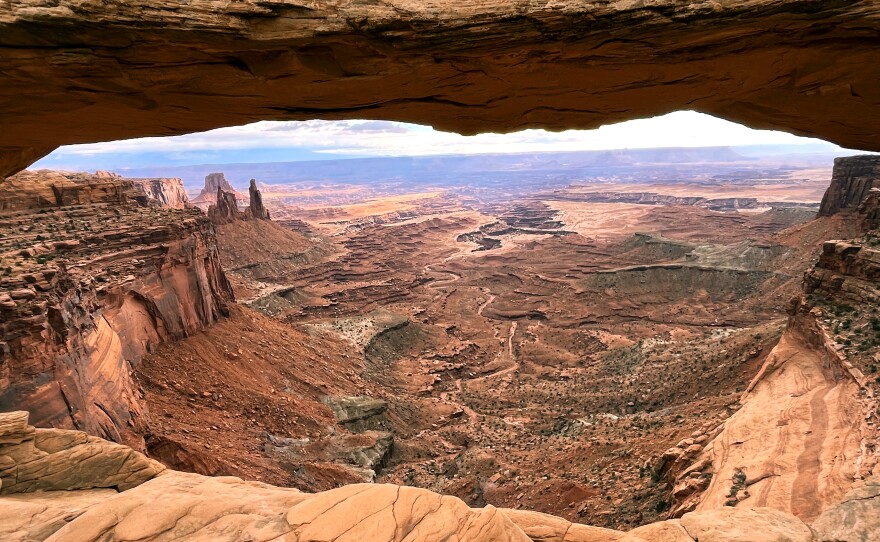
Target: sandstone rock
167	193
745	525
792	445
457	65
661	531
350	409
256	208
855	519
34	517
116	281
162	506
546	528
853	177
214	182
53	459
225	210
190	507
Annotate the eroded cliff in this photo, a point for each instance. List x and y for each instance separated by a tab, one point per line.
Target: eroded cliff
806	434
90	282
853	177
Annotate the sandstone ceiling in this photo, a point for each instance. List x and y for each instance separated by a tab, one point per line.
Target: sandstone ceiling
75	71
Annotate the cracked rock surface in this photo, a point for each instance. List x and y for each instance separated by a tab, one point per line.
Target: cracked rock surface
69	487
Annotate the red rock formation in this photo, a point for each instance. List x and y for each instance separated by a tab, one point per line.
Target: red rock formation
168	193
213	183
225	210
81	303
130	69
806	433
256	208
853	177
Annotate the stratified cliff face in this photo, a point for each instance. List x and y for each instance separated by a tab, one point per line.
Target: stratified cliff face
225	210
806	435
87	289
83	71
168	193
853	177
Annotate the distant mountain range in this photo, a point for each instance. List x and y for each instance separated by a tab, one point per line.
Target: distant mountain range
450	170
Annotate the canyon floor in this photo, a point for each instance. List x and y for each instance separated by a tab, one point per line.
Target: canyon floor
538	353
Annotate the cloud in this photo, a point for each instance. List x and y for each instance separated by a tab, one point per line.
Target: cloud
385	138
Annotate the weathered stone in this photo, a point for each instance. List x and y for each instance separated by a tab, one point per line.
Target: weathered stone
855	519
54	459
745	525
351	409
214	182
853	177
115	281
167	193
256	207
161	506
225	210
546	528
76	72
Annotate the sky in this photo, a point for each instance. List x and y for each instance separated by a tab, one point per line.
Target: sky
271	141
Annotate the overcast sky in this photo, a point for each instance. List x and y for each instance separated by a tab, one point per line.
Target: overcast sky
315	140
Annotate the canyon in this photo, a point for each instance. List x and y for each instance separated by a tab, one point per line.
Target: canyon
638	377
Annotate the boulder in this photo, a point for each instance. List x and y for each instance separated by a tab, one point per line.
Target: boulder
56	459
856	519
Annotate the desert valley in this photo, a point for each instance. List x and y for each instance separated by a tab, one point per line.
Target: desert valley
598	349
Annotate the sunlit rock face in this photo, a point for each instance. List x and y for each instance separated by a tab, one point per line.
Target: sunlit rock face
81	72
94	275
155	504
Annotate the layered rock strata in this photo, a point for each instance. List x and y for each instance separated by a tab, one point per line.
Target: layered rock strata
853	177
154	504
145	68
806	435
90	281
225	210
168	193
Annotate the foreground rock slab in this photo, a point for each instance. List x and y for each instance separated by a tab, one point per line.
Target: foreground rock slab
155	504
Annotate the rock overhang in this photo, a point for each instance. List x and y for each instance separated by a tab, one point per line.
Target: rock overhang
77	72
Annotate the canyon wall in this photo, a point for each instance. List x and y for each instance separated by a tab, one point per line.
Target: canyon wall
88	288
213	182
853	177
167	193
806	433
77	72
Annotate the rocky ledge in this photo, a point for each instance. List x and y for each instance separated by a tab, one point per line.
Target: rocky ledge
94	274
64	486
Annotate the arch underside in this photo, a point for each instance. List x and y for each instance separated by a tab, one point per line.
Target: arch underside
80	72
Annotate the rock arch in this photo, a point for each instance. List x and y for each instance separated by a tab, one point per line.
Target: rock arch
75	72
